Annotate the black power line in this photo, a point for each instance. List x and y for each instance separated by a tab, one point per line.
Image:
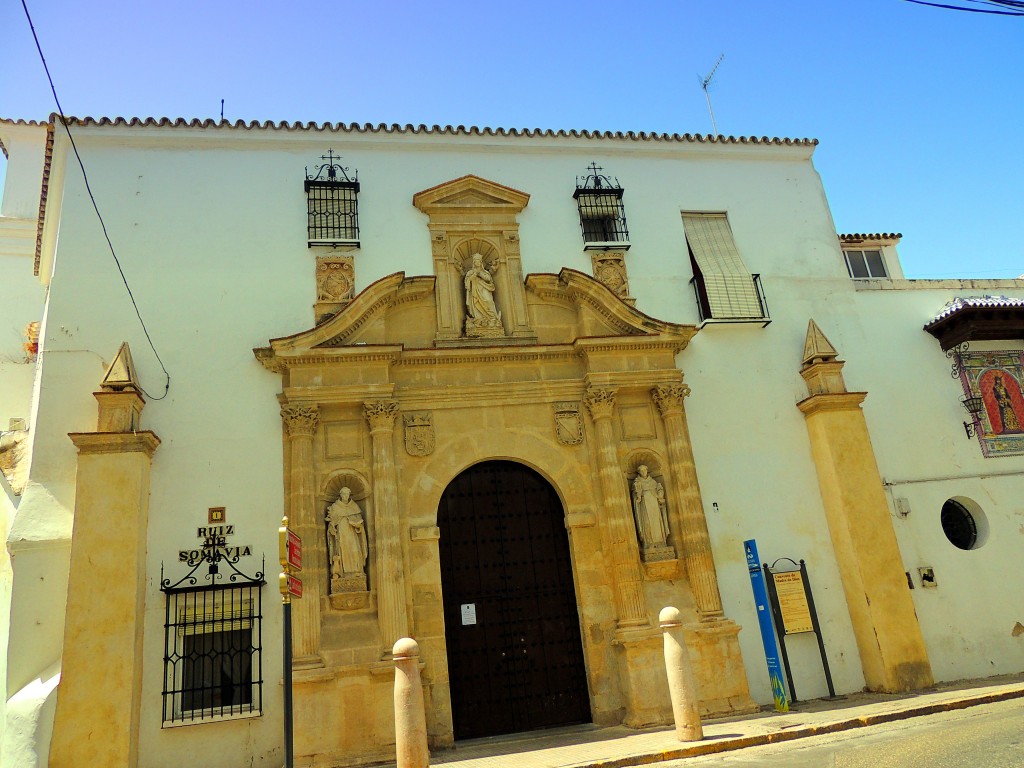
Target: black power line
103	225
1016	6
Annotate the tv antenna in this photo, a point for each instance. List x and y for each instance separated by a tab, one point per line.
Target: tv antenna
704	83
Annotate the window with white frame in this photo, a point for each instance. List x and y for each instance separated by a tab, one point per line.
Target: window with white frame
213	657
865	263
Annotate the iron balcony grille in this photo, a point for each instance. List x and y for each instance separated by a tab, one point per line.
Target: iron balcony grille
332	212
746	312
213	653
602	216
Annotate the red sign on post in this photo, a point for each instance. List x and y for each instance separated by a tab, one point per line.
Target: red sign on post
293	548
294	586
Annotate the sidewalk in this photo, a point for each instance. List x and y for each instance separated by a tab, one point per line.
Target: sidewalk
618	747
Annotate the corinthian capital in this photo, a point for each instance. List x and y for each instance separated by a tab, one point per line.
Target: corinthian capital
380	413
300	419
600	401
669	397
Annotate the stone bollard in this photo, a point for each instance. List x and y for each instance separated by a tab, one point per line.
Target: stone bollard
682	685
410	720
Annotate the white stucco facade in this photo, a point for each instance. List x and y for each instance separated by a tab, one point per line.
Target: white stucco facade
209	223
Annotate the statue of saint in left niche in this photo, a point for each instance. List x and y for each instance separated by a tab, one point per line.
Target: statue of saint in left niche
346	538
650	510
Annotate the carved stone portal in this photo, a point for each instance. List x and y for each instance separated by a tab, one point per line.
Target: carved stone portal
346	539
610	270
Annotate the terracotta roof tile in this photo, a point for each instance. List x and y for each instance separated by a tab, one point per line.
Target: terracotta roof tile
859	238
964	302
447	130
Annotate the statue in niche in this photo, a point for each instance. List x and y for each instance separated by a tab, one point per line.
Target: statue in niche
482	315
651	513
346	537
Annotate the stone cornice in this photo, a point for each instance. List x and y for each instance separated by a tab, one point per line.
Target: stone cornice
370	353
582	289
840	401
115	442
392	290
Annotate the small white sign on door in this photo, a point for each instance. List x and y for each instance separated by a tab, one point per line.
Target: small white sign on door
468	614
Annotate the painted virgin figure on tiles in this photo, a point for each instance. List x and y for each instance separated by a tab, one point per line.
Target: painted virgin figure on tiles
1002	397
996	378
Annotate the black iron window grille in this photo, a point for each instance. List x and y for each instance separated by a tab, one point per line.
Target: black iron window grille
213	646
332	203
602	214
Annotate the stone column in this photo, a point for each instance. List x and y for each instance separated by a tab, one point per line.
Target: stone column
389	569
516	313
695	541
300	422
617	517
410	719
892	650
682	685
448	287
100	693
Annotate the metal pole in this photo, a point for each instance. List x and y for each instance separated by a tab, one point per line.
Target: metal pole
289	747
780	628
817	630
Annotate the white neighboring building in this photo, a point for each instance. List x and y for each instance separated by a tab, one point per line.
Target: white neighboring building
620	264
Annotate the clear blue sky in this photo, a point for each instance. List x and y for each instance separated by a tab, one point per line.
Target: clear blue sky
919	111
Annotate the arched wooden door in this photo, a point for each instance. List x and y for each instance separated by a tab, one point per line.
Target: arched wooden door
515	657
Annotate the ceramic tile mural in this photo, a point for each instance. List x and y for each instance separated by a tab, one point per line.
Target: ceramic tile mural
997	377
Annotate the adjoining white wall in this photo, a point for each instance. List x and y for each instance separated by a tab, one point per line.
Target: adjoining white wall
22	293
210	228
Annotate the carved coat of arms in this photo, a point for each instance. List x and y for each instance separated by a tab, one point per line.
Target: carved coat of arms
568	424
419	433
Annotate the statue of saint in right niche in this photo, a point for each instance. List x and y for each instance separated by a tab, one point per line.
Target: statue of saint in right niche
482	315
346	537
650	510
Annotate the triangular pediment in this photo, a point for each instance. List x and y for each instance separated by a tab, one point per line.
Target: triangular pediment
394	316
470	192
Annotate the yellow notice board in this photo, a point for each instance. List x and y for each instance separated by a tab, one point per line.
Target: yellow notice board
796	614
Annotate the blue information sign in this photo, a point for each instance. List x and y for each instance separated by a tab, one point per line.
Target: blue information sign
764	619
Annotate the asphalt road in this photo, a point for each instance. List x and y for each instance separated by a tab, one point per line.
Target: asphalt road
989	736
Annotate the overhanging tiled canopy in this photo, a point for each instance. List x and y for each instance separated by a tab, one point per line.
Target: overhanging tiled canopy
978	318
